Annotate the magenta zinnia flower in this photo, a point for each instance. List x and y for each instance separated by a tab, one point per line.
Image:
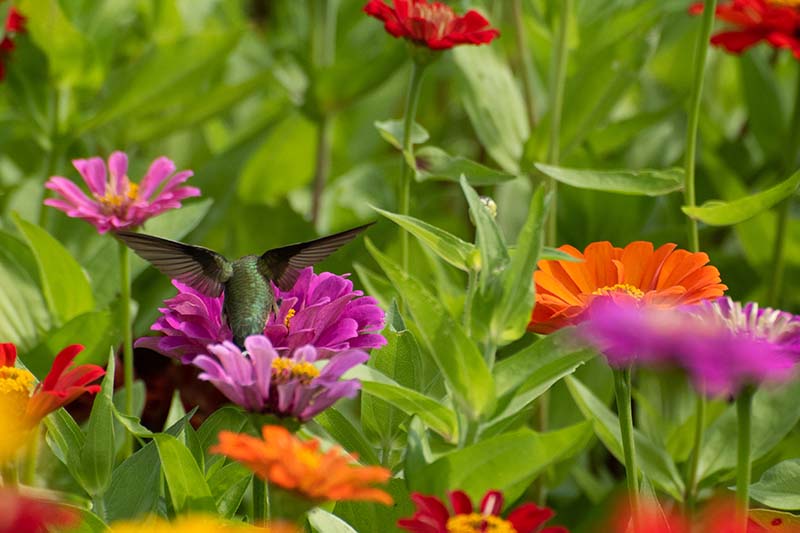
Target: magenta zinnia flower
433	516
321	309
720	359
262	381
118	203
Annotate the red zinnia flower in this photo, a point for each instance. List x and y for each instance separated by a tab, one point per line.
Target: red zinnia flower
433	25
775	21
433	516
15	22
22	514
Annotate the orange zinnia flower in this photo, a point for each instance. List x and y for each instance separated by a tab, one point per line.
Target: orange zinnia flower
664	277
300	467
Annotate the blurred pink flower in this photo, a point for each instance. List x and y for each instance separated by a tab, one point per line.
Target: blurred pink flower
117	202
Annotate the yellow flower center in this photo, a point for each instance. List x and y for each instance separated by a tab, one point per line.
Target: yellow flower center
620	288
284	370
787	3
118	201
438	14
288	318
478	523
309	457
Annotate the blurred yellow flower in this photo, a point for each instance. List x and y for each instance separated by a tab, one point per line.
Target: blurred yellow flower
197	524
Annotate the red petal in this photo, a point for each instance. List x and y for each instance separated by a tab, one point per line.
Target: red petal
62	361
492	502
8	351
6	45
431	511
736	41
15	22
528	517
696	8
460	502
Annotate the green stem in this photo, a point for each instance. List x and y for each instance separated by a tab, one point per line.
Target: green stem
472	284
524	62
322	166
53	154
31	456
557	83
414	88
622	389
699	428
260	506
127	338
99	506
779	246
744	404
700	55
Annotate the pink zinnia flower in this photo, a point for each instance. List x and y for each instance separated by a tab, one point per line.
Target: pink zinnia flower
321	309
262	381
117	202
703	340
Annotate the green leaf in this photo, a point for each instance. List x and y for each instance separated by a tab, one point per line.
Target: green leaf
347	434
21	324
66	440
187	485
717	213
527	374
153	82
71	58
97	455
655	462
64	283
779	487
646	182
324	522
510	318
493	252
435	164
554	254
367	516
507	462
494	104
457	357
228	485
434	413
774	416
766	111
775	520
135	485
89	522
228	418
93	330
450	248
392	132
399	360
283	162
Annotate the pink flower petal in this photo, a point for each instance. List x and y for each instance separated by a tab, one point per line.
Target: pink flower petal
93	172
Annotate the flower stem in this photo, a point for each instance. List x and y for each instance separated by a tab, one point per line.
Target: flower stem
557	83
99	506
622	390
414	88
322	166
472	283
700	55
260	505
779	246
31	456
524	62
127	338
699	428
744	405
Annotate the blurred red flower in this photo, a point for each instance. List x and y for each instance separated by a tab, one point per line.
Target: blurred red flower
23	514
434	25
15	21
433	516
775	21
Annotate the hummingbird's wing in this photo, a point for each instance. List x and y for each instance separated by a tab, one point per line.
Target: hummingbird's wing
283	265
202	269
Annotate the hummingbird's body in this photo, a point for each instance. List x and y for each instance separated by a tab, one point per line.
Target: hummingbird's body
248	299
245	282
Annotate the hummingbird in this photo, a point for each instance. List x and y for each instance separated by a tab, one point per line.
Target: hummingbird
245	282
